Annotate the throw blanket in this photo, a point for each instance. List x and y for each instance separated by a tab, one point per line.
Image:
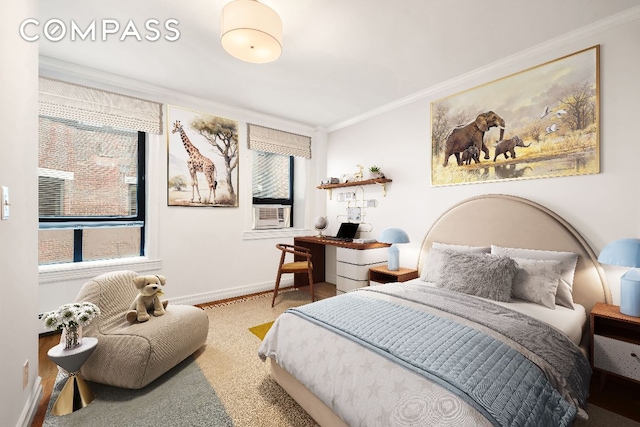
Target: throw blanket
506	387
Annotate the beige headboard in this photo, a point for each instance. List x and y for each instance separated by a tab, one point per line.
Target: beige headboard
520	223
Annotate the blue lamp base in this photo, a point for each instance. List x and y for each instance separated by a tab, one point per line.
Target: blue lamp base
630	293
393	261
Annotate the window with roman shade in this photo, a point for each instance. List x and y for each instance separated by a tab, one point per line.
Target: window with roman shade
273	174
91	172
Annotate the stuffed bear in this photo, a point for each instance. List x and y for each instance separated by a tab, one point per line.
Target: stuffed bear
147	299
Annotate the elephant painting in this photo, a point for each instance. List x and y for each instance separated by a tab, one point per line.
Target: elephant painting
462	137
511	171
506	146
469	154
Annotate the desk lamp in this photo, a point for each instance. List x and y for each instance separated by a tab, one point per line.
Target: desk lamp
625	253
393	236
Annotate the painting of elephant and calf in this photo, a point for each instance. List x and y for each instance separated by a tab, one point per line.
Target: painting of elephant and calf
539	123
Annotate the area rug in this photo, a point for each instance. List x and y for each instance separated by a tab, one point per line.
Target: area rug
261	330
181	397
224	383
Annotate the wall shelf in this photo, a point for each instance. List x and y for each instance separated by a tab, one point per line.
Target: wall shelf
381	181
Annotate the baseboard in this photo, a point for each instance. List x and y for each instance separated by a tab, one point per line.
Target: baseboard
224	294
31	407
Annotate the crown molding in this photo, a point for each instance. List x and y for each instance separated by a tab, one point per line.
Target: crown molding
598	27
55	68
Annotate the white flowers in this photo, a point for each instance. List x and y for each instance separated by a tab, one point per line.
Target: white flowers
71	315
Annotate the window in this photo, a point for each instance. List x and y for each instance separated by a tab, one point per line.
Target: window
272	184
91	191
274	153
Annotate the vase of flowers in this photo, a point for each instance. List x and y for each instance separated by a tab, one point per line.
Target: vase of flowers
69	319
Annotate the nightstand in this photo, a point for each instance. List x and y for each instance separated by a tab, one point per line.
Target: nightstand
382	274
615	342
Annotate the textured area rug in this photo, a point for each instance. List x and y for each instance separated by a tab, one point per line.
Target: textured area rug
230	361
181	397
261	330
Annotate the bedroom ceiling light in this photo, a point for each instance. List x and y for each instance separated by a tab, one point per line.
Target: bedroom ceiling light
625	253
251	31
393	236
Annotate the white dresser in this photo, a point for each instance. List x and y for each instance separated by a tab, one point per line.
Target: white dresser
352	268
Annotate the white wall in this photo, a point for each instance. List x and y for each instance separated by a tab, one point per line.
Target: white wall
18	235
205	253
601	207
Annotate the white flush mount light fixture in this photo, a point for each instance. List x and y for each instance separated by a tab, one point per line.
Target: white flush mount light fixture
251	31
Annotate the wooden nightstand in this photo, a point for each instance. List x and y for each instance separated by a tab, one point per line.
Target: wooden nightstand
615	342
382	274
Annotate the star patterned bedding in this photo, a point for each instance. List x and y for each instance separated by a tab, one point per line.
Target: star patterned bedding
407	354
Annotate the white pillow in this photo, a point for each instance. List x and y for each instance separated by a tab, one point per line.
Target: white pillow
462	248
537	281
432	269
568	260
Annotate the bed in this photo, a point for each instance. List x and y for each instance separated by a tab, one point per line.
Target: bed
344	370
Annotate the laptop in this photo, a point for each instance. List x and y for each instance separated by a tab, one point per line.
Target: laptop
346	232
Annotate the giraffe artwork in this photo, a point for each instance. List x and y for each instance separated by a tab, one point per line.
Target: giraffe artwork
197	162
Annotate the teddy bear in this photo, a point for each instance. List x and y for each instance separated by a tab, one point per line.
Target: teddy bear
147	299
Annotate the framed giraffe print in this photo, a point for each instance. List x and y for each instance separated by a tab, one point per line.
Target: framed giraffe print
202	159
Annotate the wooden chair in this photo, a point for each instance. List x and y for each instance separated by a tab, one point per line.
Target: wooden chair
294	267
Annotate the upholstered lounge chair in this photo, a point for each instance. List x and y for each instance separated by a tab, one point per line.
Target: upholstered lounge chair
133	355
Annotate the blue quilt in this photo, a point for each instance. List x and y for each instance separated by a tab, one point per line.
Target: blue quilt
501	383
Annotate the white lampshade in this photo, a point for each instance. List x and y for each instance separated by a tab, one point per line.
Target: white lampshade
251	31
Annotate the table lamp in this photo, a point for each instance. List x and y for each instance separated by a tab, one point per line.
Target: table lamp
625	253
393	236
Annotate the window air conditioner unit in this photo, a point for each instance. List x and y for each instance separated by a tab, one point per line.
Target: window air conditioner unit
271	216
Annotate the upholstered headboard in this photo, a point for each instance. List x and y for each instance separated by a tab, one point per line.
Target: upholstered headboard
520	223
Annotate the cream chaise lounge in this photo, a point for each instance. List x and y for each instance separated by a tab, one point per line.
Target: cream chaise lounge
133	355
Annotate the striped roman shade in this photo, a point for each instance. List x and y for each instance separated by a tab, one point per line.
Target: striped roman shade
278	142
71	101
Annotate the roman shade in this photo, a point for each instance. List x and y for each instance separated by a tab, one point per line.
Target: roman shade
278	142
71	101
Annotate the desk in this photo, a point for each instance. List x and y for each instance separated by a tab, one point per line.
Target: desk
347	264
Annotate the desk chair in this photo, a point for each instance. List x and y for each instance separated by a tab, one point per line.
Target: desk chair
294	267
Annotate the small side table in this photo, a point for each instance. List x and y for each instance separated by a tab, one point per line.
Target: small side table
75	394
382	274
615	342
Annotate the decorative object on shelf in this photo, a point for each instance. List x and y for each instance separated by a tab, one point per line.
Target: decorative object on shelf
320	223
625	253
358	176
251	31
344	178
69	319
374	172
393	236
330	180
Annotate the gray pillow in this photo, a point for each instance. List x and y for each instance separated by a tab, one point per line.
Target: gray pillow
568	260
432	269
537	281
484	275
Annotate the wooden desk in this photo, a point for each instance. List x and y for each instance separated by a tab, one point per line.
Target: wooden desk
317	246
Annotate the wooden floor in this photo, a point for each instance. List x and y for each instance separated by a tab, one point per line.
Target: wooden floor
47	370
617	395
